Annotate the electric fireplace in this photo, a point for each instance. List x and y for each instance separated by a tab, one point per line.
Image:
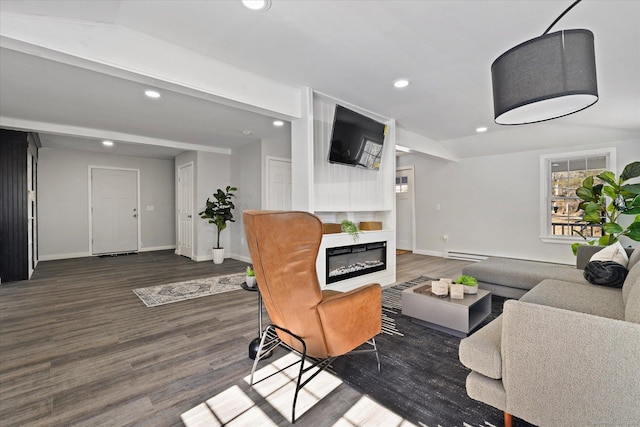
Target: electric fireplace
345	262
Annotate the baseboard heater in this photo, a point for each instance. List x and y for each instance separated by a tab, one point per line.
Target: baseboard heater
465	256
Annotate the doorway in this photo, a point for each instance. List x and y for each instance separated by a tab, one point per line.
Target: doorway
278	184
185	210
114	206
405	209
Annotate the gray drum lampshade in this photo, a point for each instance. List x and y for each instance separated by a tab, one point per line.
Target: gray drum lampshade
544	78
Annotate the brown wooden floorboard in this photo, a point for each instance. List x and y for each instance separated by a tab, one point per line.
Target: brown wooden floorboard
77	346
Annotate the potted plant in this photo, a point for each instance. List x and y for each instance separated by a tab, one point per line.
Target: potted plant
250	279
219	212
604	202
351	228
470	284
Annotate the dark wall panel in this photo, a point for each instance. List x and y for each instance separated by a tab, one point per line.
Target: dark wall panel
13	206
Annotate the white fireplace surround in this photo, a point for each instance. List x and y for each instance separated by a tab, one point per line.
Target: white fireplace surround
341	192
383	277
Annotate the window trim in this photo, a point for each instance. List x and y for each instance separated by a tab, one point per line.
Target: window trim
545	187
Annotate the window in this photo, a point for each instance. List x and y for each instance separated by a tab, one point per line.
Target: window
561	175
402	184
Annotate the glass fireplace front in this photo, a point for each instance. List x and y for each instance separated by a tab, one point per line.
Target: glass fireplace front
345	262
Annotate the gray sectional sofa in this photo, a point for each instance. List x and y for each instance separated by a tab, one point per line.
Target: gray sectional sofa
512	278
565	354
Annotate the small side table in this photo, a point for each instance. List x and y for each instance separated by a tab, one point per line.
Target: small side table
255	344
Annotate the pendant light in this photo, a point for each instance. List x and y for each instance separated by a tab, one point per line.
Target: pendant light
544	78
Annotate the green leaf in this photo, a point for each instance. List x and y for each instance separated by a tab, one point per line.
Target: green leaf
631	188
585	194
609	191
574	247
612	228
632	234
632	170
588	182
592	207
592	217
609	178
633	211
607	240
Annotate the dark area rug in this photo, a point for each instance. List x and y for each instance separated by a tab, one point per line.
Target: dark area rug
421	377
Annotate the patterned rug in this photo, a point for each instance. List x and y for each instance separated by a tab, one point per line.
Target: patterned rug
181	291
421	377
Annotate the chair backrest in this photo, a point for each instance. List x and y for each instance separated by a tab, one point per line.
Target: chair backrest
283	248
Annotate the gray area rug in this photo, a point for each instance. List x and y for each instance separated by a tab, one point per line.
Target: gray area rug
181	291
421	377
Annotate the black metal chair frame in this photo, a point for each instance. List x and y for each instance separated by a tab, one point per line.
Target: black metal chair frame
270	340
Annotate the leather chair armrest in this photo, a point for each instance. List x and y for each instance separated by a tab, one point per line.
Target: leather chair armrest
351	318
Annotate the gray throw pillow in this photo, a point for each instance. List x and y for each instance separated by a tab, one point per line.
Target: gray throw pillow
605	273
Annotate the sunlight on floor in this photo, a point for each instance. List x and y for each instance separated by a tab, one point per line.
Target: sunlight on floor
233	407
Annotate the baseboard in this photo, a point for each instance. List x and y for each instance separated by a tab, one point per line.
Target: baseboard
430	253
242	258
157	248
63	256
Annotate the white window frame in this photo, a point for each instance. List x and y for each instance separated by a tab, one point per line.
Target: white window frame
545	188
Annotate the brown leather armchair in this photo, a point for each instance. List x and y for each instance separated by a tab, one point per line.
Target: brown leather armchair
315	323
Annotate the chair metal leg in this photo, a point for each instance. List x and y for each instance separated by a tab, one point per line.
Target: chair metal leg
270	341
371	342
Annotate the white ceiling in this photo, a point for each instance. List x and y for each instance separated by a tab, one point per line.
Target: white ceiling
350	50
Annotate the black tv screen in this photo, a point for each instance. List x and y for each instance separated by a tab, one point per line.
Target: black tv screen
356	140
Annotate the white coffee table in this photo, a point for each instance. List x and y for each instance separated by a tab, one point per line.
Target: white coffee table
454	316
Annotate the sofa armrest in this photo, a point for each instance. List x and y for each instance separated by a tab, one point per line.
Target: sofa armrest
351	318
562	367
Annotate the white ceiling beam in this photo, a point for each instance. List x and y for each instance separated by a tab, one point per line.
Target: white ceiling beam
128	54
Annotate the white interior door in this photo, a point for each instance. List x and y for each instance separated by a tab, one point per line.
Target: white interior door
185	210
114	210
279	184
405	209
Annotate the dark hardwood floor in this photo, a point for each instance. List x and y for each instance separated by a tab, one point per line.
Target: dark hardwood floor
77	347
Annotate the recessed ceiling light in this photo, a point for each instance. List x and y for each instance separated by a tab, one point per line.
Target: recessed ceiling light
107	143
481	129
278	123
401	83
260	5
246	132
152	93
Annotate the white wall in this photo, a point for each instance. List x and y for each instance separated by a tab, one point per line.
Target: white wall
63	198
246	175
489	205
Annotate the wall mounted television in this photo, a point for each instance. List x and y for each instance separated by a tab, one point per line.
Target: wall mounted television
356	140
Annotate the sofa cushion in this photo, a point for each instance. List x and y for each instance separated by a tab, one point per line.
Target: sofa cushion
596	300
480	351
633	258
521	274
614	252
632	308
605	273
632	277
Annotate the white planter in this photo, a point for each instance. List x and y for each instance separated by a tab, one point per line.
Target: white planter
470	289
251	281
218	255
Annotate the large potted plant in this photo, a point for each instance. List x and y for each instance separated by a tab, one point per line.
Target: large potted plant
219	211
604	202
